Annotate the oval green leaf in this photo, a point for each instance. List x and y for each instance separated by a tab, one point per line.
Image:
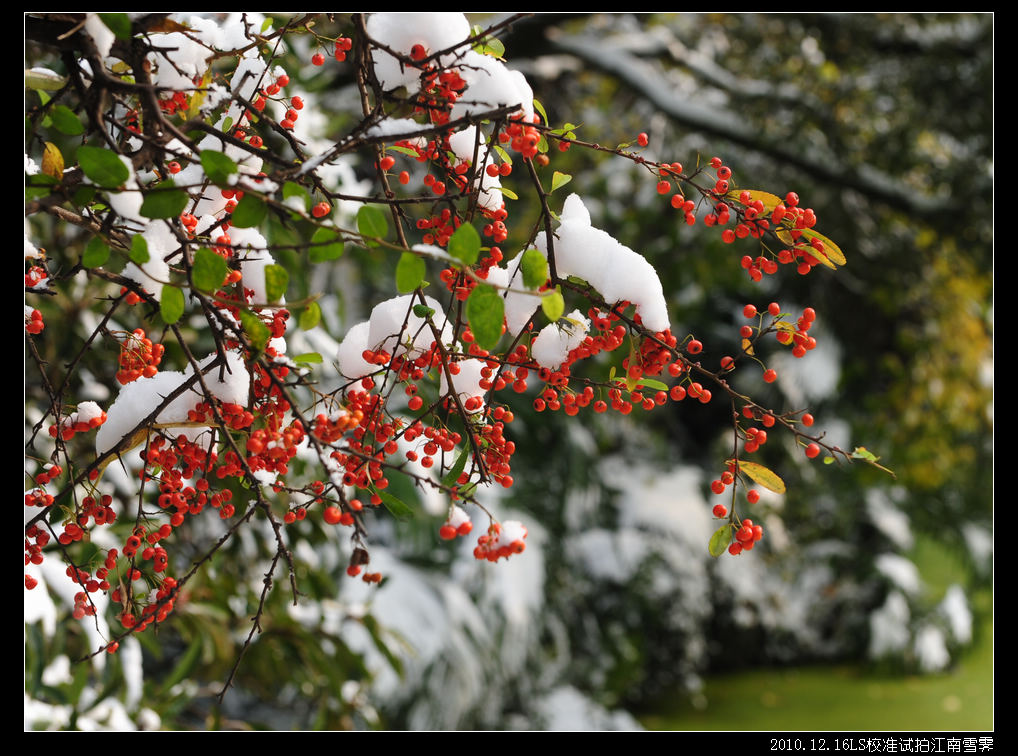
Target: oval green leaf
208	271
326	244
276	281
96	253
465	244
118	23
559	179
535	269
102	167
485	313
371	224
553	305
309	357
218	167
720	540
396	507
310	317
291	189
66	122
249	212
171	304
257	332
410	272
139	250
164	201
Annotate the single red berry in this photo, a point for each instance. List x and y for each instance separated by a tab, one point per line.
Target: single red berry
318	59
749	311
296	103
417	52
387	162
807	419
720	510
404	177
752	496
812	451
332	515
770	375
694	347
642	139
321	209
774	309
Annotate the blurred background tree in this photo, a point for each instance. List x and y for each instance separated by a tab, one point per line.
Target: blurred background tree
883	125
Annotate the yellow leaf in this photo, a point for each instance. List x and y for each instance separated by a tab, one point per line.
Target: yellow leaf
770	201
832	250
763	475
747	347
52	161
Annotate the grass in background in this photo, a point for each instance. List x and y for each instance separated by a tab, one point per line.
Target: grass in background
851	698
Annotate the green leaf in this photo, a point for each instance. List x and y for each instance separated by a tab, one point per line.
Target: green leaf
405	150
509	193
276	281
410	272
423	311
291	189
43	81
310	317
66	122
559	179
485	313
103	167
502	154
83	195
450	477
266	25
371	223
171	304
164	201
396	508
118	23
326	244
218	167
208	272
494	47
540	109
308	357
249	212
96	253
762	475
553	305
465	244
651	383
139	250
535	269
257	332
720	540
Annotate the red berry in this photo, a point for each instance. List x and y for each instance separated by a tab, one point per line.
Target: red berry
318	59
774	309
642	139
404	177
749	311
812	451
332	515
770	375
807	419
296	103
752	496
694	347
720	510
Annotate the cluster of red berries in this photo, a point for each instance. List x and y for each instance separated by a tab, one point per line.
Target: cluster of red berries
341	48
501	541
87	417
746	537
457	524
523	138
33	321
138	357
35	276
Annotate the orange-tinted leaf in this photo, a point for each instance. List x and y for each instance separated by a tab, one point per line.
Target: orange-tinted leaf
770	201
52	161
